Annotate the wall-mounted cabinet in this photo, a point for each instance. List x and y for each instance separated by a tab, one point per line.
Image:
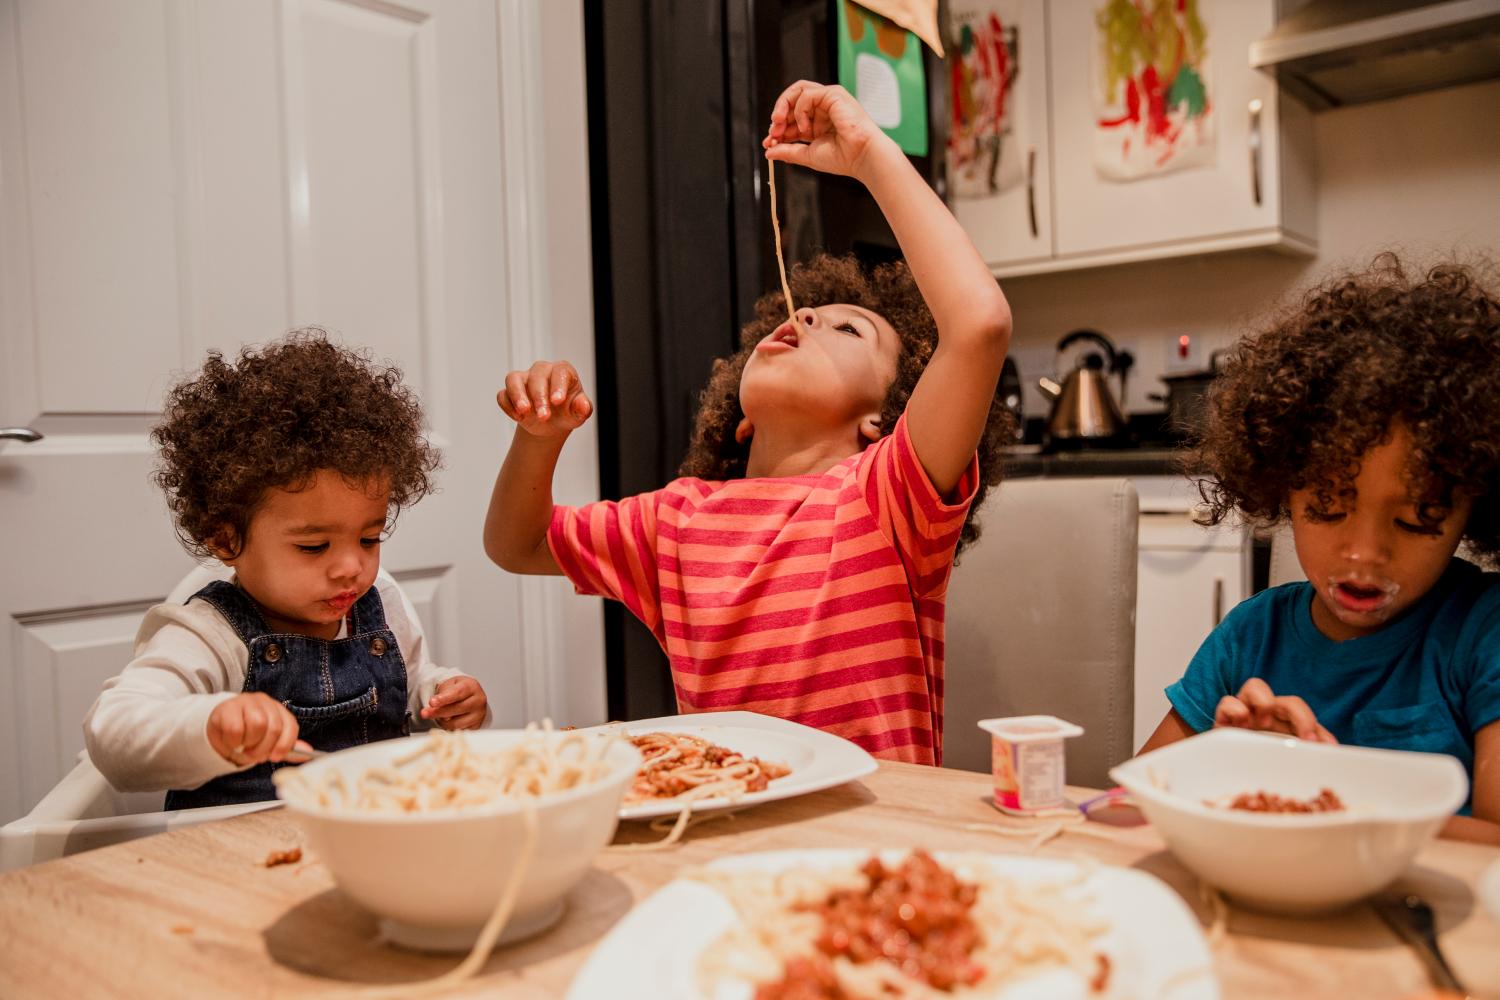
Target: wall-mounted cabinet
1137	140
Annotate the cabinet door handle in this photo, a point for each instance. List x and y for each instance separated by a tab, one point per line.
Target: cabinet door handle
1255	146
20	434
1031	190
1218	600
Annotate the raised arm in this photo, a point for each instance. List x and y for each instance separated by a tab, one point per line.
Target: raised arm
548	403
824	128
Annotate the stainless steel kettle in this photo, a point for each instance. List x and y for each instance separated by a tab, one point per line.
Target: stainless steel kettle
1083	407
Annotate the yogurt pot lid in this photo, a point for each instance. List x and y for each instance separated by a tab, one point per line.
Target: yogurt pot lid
1030	728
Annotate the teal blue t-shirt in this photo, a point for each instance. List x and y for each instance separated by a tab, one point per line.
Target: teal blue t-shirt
1427	681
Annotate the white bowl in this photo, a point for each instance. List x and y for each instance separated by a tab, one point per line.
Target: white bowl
434	878
1301	863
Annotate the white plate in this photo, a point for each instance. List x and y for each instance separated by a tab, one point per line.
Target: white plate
818	760
652	954
1488	889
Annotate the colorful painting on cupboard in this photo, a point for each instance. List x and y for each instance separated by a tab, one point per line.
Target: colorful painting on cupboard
1153	102
984	45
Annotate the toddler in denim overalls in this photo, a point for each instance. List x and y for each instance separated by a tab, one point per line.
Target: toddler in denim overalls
287	466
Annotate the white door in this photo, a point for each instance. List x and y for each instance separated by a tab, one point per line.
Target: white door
1000	181
177	175
1227	188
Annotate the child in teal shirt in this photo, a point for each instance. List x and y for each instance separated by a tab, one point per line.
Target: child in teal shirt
1369	417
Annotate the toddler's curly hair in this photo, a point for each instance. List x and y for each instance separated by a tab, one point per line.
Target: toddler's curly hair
272	419
1300	402
889	290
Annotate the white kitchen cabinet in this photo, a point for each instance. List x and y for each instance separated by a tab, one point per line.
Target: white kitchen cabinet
1188	579
1241	176
1000	160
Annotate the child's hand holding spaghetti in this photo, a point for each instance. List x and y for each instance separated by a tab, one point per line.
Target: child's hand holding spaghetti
822	127
547	399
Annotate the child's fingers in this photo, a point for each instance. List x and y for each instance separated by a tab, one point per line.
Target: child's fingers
286	740
1298	717
1257	695
804	112
790	152
255	725
469	720
580	406
448	692
229	723
454	709
781	111
515	388
262	748
1231	712
536	389
562	379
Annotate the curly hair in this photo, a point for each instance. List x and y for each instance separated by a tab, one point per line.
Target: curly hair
889	290
273	419
1300	402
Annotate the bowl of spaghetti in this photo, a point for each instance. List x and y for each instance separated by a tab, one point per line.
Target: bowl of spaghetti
1290	826
456	838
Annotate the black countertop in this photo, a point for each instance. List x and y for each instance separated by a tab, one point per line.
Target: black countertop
1025	462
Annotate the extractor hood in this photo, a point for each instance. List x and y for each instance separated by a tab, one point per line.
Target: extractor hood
1330	53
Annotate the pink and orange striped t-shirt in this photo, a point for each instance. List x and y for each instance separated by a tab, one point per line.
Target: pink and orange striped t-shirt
818	599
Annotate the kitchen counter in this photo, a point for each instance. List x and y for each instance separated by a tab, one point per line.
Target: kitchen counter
1025	461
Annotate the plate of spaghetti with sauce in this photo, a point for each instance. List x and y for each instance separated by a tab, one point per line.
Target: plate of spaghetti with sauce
908	924
718	760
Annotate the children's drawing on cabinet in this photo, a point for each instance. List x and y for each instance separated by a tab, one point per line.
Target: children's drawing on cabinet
1153	107
984	57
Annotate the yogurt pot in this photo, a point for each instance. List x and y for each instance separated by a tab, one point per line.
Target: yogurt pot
1026	759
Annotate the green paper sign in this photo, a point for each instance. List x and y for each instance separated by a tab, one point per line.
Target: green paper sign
881	65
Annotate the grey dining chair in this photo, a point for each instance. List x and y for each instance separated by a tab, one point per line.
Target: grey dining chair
1041	621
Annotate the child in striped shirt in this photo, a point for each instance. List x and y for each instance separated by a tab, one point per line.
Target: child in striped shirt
800	566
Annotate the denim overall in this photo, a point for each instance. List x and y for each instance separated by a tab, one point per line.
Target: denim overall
343	692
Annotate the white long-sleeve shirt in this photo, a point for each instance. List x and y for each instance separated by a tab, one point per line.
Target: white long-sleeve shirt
148	729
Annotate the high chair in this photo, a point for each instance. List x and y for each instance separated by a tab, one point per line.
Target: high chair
83	811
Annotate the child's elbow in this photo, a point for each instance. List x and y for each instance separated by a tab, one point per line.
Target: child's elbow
499	554
990	325
506	556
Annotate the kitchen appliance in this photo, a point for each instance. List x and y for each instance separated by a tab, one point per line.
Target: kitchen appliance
1332	53
1187	398
1083	407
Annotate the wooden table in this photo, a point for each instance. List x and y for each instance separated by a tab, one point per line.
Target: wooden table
195	912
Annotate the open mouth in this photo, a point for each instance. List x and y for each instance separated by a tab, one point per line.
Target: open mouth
1363	596
783	339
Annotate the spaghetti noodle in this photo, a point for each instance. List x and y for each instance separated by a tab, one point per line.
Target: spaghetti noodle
913	930
786	289
682	768
677	765
449	776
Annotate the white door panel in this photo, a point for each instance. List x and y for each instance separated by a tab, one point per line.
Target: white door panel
63	661
177	176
